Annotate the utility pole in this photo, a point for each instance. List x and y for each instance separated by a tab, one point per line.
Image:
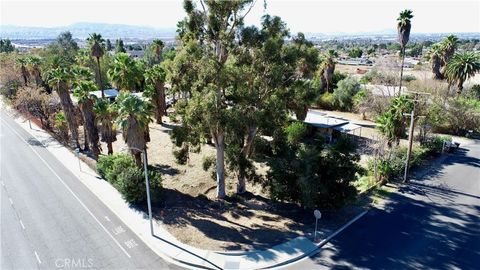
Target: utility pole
410	133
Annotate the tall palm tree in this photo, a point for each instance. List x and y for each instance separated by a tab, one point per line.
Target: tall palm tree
86	101
58	79
124	72
133	118
329	68
435	54
403	27
34	62
462	66
23	69
105	115
97	50
448	47
155	76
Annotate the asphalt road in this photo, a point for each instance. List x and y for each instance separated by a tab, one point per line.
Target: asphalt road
50	220
432	223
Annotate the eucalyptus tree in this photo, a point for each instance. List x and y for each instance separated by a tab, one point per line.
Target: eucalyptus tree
133	117
105	113
257	94
86	101
212	27
59	79
155	77
461	67
403	27
124	72
97	50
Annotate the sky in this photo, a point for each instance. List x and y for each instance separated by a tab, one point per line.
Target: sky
320	16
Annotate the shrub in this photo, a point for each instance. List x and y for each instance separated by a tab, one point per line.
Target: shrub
325	101
111	166
61	126
181	155
342	97
434	145
121	172
295	132
208	162
131	184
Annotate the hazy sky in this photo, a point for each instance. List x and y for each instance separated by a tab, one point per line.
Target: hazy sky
304	15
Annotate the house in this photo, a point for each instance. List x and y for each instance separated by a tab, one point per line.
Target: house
330	127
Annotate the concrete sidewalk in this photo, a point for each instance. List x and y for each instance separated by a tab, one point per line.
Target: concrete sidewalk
163	243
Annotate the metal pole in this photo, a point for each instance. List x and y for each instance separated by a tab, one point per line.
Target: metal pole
316	222
147	184
410	141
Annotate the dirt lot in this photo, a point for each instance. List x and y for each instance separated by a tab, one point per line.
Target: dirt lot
191	213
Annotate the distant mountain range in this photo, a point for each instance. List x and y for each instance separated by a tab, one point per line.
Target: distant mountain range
114	31
82	30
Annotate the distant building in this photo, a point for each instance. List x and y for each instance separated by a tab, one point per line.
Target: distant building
330	127
136	54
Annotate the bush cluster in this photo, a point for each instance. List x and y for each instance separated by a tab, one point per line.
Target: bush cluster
128	179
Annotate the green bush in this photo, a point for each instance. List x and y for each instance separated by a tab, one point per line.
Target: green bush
342	97
434	145
121	172
295	132
325	101
131	184
111	166
208	162
181	155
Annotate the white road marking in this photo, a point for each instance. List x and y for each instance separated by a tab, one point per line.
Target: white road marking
131	243
107	219
68	188
21	223
11	202
118	230
38	258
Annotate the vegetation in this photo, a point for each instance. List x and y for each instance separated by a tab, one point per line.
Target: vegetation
461	67
403	26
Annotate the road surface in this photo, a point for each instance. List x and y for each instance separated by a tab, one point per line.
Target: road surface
432	223
50	220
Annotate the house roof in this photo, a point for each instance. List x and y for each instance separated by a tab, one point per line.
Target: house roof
319	119
347	127
109	93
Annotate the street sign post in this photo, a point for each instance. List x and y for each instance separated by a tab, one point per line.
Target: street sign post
318	215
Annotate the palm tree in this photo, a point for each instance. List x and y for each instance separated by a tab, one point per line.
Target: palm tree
34	65
461	67
392	123
105	115
97	50
403	27
435	54
58	79
86	101
448	47
124	72
23	69
158	46
155	76
133	118
329	68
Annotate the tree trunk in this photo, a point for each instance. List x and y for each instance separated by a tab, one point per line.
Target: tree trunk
110	148
220	163
161	108
86	147
138	158
245	153
401	71
68	110
90	126
100	77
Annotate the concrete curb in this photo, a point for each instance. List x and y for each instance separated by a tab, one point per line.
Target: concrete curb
201	261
